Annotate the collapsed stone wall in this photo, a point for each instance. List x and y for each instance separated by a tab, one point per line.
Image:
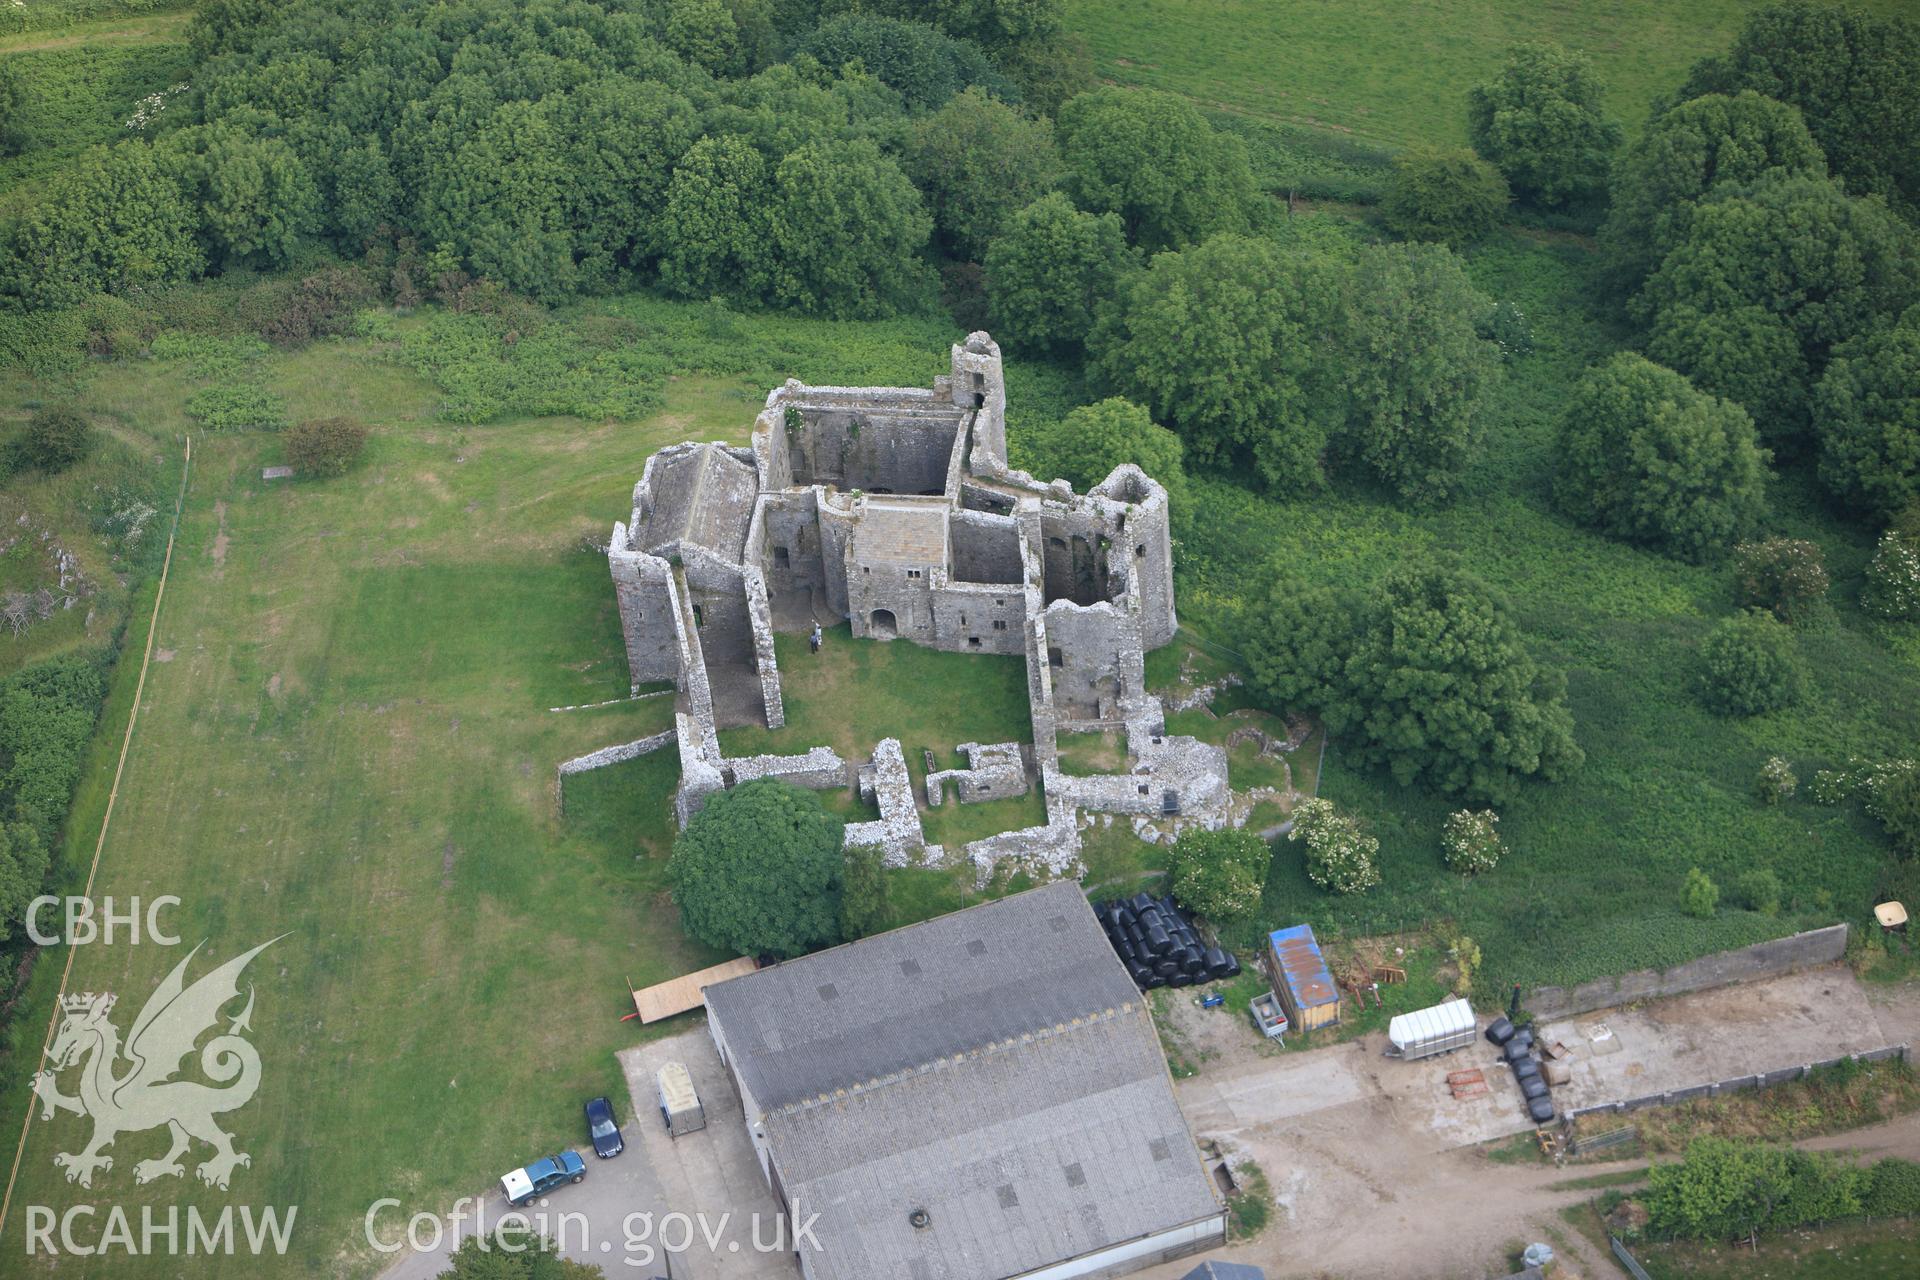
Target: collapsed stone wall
994	772
817	769
897	833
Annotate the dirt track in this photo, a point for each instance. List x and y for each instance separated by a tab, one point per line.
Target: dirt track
1365	1184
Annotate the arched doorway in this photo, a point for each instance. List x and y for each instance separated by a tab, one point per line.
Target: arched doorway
881	626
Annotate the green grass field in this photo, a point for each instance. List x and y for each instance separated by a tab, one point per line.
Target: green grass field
345	738
1590	886
1393	72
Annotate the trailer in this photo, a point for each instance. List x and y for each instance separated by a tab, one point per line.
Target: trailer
679	1105
1426	1032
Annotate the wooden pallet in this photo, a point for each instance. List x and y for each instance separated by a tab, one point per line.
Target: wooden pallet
1468	1084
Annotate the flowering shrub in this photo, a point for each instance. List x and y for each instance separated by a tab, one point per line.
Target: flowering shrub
1784	575
1339	855
1893	578
1830	787
1776	781
1471	839
150	106
1890	792
1220	874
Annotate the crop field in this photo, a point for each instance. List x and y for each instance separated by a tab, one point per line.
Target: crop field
1393	72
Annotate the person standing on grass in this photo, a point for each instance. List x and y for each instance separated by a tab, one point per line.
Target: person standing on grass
813	641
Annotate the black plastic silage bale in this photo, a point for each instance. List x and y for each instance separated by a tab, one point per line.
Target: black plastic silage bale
1499	1031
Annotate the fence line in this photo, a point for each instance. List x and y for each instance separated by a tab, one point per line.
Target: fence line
1627	1260
1761	1080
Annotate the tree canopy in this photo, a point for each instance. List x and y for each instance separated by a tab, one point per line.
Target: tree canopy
1152	158
1415	367
1867	417
980	162
759	871
1855	76
1424	674
1646	457
1765	281
1229	343
1050	270
1448	195
1542	121
1683	154
1085	446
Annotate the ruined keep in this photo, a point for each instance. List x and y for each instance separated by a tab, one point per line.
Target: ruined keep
894	508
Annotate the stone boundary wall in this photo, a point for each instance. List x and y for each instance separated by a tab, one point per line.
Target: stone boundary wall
1760	1080
615	755
1767	959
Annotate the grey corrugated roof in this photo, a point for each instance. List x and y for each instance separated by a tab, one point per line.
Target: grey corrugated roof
1014	1090
986	1146
983	974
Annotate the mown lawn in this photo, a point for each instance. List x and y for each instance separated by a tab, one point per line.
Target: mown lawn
1394	72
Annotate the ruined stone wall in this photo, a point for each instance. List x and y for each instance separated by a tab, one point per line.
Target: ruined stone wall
887	784
874	449
717	592
793	553
700	775
772	449
985	548
977	618
837	523
993	772
766	663
819	769
978	382
1097	661
1075	547
646	612
873	588
1145	544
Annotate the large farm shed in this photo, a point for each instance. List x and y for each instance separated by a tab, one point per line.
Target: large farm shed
975	1097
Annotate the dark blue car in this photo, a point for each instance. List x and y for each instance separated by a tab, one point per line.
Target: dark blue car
607	1142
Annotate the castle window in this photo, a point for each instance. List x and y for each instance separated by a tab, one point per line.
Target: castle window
1055	658
913	573
780	558
973	642
699	619
1140	550
999	624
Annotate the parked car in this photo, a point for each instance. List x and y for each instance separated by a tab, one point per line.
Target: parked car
607	1142
543	1176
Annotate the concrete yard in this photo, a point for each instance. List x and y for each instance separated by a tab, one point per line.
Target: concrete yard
711	1176
1366	1154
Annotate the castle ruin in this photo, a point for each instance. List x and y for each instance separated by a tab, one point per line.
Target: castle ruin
895	509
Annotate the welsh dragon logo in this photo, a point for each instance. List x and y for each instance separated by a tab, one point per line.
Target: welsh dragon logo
144	1095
